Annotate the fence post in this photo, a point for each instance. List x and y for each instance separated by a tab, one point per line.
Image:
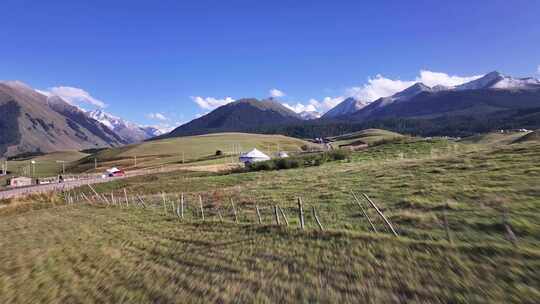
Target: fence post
301	212
126	197
316	217
258	214
276	214
182	205
381	214
164	204
364	211
202	209
284	217
234	210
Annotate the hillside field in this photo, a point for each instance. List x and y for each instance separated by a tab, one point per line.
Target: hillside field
112	253
201	149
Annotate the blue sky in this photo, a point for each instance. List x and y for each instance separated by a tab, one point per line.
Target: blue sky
147	57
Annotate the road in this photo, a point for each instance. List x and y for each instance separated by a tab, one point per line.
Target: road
15	192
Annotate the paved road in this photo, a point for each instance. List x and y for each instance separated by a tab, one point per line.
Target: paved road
55	187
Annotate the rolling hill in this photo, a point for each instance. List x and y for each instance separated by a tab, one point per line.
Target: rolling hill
32	122
188	149
243	115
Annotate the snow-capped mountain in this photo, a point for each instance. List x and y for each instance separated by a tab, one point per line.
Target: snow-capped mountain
496	80
348	106
129	131
308	115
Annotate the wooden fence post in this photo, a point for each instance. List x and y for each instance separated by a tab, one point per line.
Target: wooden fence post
364	211
301	212
276	214
141	201
126	197
258	214
164	204
284	217
202	209
381	214
316	217
182	205
234	210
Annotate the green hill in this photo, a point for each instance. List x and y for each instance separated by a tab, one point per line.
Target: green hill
190	149
530	137
368	136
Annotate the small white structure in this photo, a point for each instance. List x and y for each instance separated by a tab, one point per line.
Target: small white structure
253	156
20	181
283	154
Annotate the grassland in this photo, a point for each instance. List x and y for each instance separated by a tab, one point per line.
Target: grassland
84	253
45	165
368	136
190	149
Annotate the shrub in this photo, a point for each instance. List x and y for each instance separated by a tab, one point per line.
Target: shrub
286	163
340	154
219	153
262	166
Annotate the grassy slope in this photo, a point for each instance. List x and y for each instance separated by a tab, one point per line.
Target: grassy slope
476	185
369	136
115	255
169	151
533	136
493	139
111	255
46	165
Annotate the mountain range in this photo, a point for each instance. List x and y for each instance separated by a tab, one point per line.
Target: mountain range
129	131
33	122
488	94
488	103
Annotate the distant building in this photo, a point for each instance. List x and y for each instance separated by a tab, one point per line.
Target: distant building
253	156
20	181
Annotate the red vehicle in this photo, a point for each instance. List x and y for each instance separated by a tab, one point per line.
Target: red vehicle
115	172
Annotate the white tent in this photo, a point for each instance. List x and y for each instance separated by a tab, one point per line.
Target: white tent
283	154
253	156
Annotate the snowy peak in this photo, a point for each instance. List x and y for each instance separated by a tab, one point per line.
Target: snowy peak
484	82
127	130
111	121
348	106
411	91
496	80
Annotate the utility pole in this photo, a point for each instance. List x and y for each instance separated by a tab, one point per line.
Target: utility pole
95	163
33	164
63	166
135	157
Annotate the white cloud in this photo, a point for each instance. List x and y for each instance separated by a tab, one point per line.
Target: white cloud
431	79
74	96
538	70
157	116
299	108
276	93
314	105
210	103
